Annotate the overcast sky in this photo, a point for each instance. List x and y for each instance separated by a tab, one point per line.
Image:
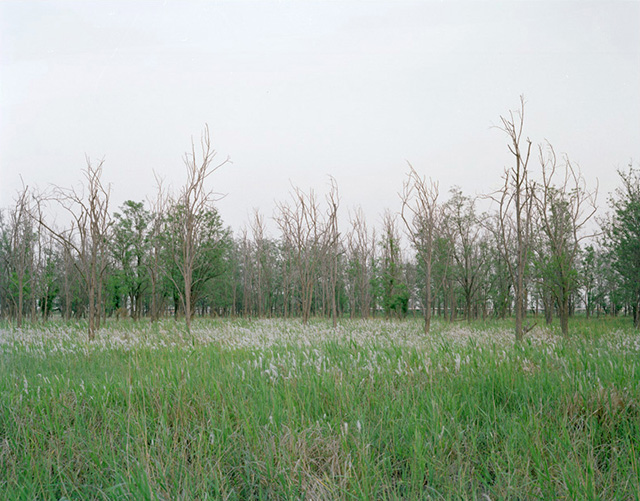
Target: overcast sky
294	91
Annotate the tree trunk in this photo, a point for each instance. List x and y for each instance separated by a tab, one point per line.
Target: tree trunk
187	303
427	307
520	304
334	280
548	308
91	313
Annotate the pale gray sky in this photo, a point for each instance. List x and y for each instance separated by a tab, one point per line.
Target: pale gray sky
294	91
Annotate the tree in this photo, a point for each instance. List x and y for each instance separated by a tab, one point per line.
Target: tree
88	209
155	263
515	204
193	224
303	233
593	272
622	231
564	206
360	244
20	253
421	215
332	245
468	247
48	283
498	277
130	247
395	294
259	258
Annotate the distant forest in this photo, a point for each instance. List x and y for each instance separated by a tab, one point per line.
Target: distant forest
539	249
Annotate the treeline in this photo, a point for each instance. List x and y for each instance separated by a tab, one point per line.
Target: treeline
538	250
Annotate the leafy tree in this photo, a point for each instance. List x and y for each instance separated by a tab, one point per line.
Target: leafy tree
130	246
395	294
468	246
49	287
207	256
564	207
595	272
622	231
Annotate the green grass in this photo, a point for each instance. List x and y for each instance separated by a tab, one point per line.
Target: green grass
372	411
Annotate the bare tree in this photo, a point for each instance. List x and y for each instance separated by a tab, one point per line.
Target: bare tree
421	215
48	273
361	252
88	209
515	206
287	266
247	272
261	253
21	256
158	208
303	234
564	208
332	245
191	219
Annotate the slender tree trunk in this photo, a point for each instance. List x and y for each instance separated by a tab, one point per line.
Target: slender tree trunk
548	307
187	303
91	312
20	299
67	297
564	316
427	304
519	308
334	306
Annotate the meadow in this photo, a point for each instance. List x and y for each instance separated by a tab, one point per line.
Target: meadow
273	409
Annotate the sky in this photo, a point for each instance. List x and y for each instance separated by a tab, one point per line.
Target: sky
294	92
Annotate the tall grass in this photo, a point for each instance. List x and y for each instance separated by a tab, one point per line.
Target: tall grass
275	410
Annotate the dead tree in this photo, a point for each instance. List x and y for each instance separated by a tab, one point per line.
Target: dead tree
564	206
332	245
302	234
247	272
191	215
515	207
260	253
361	253
155	265
421	215
88	209
21	250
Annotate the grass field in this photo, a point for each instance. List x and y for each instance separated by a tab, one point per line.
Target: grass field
270	409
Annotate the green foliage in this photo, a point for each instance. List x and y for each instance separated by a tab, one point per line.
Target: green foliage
49	285
130	249
397	302
623	237
393	288
210	254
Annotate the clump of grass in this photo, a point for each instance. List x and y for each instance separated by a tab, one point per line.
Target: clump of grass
273	409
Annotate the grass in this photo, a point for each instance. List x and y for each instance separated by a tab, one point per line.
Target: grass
271	409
